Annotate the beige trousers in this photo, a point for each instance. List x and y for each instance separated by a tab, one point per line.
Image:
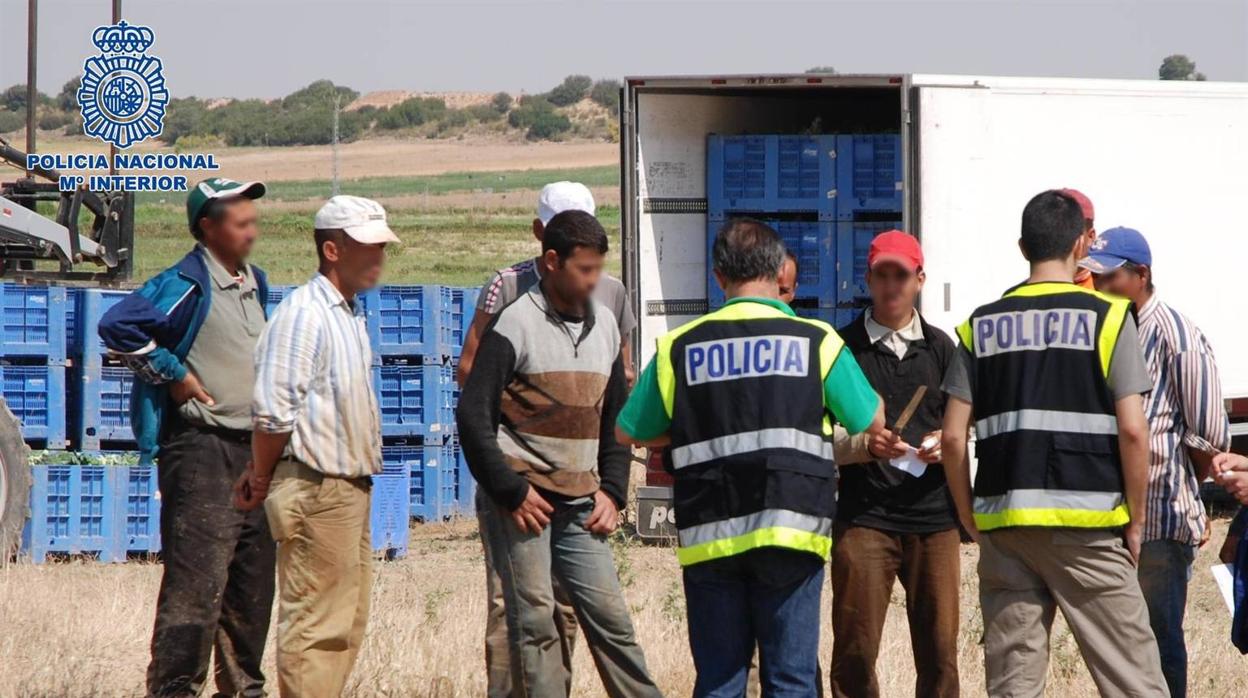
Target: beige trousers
324	575
1026	574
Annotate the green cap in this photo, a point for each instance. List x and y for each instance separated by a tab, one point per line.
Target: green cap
217	188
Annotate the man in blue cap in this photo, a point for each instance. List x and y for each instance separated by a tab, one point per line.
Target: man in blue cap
1187	425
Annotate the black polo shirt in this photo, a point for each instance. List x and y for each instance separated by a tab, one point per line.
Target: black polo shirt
875	494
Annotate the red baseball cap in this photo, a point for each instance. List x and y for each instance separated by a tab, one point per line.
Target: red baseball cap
1085	204
897	247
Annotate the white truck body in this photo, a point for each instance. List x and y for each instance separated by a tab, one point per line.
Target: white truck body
1167	158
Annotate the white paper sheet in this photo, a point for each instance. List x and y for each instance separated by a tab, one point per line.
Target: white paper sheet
1225	579
909	463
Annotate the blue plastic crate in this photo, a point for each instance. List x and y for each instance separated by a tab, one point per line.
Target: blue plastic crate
772	173
90	306
142	492
74	509
102	410
33	321
415	395
409	320
389	515
430	465
277	294
463	309
853	242
869	175
35	392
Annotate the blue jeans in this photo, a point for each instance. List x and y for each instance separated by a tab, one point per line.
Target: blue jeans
1165	568
586	570
767	597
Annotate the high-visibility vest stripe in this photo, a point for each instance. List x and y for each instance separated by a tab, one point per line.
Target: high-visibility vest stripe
1073	508
750	441
1056	518
770	527
1048	499
1046	420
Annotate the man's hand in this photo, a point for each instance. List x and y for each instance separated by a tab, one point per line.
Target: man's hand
533	514
187	388
605	516
885	444
1230	470
1133	536
931	453
251	489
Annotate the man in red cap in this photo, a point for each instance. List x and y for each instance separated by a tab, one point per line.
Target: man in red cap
894	517
1083	277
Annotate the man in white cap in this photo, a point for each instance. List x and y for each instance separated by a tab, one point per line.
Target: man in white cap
317	443
506	286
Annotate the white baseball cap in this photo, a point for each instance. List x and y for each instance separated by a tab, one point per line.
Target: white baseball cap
363	219
558	197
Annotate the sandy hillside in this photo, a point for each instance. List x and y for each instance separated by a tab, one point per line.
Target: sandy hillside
389	98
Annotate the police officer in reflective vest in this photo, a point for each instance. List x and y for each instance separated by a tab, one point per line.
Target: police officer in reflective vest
1052	375
742	397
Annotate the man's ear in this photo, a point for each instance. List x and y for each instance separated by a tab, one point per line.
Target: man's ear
922	277
719	279
550	260
538	229
331	250
1022	249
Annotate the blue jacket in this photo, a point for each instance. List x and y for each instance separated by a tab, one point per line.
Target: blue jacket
152	331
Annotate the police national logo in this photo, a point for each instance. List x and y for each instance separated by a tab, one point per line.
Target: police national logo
123	94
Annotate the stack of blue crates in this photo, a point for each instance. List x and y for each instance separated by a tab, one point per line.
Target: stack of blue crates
33	357
410	329
826	195
111	511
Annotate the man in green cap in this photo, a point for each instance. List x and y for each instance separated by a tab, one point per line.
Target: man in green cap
188	334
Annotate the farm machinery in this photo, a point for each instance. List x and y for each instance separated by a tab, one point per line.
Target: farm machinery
76	237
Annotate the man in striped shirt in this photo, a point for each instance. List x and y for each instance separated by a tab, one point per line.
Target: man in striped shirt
317	443
1187	425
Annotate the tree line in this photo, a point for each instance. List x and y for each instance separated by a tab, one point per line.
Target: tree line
305	116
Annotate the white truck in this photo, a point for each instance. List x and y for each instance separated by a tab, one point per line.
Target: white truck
1167	158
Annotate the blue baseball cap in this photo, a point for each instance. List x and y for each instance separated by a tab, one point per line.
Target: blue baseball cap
1116	247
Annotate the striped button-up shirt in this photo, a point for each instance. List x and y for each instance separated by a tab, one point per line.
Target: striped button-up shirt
313	367
1184	410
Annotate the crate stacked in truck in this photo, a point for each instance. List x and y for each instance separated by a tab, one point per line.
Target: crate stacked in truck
826	195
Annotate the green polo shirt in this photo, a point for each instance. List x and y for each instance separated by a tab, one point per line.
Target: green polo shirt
846	393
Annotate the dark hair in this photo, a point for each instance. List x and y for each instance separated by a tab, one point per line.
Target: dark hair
1052	224
746	249
324	235
797	266
213	210
572	229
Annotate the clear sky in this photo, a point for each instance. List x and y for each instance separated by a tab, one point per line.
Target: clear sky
267	48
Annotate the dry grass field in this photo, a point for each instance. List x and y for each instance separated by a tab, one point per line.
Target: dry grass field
81	629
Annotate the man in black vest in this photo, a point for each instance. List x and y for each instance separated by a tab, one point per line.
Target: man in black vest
743	396
1052	374
894	518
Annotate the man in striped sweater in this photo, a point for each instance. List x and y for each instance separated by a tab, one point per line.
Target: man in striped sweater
536	419
1187	426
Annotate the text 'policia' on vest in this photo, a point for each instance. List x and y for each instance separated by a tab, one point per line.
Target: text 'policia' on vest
752	458
1045	424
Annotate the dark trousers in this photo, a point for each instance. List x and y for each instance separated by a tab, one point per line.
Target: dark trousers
1165	569
865	563
216	592
767	598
